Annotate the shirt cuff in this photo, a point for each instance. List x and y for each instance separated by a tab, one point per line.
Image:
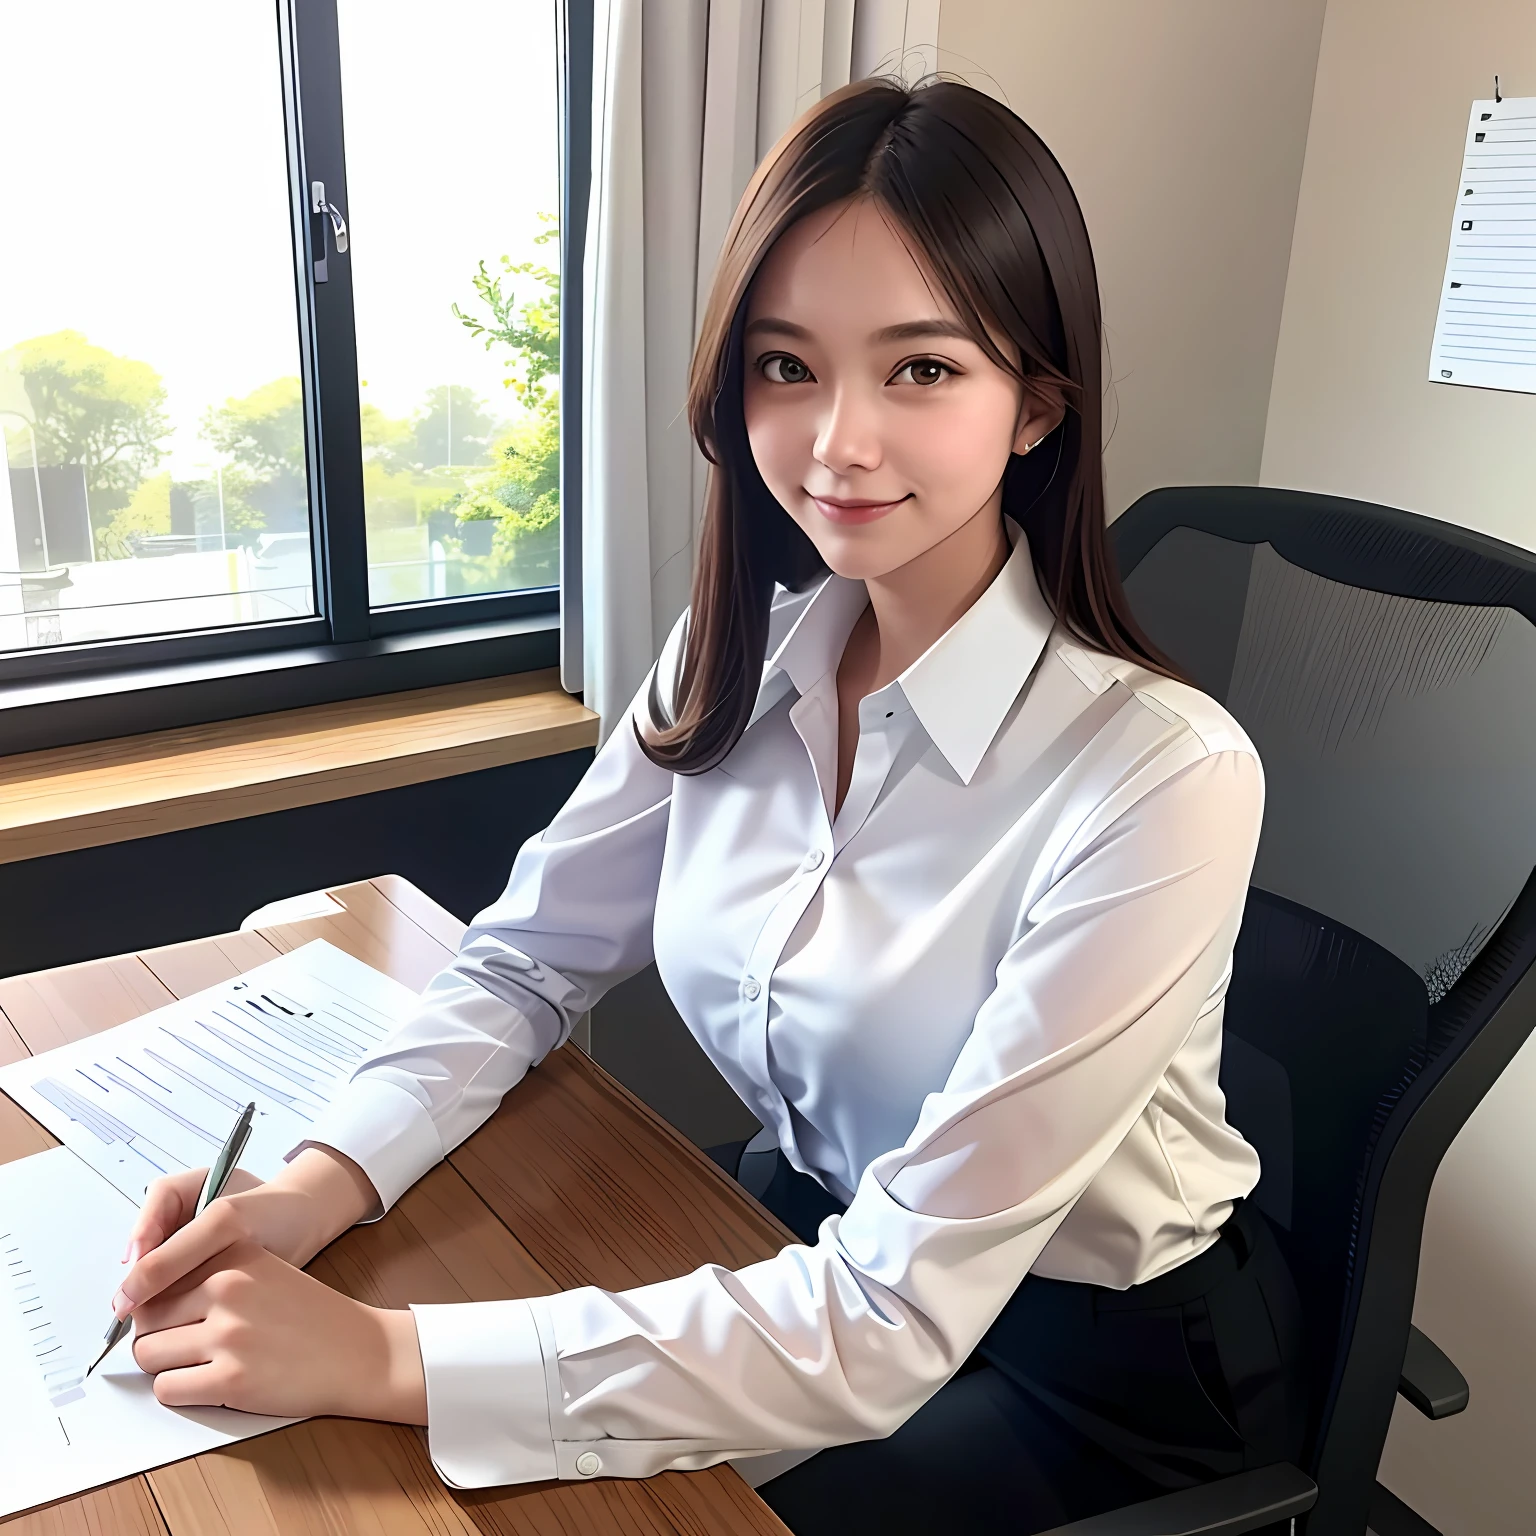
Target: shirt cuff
488	1419
384	1130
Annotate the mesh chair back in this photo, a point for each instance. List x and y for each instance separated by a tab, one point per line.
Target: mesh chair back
1385	667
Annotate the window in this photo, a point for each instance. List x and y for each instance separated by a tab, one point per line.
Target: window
456	293
145	382
280	324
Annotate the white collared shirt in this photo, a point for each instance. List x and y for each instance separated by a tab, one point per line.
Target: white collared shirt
982	1003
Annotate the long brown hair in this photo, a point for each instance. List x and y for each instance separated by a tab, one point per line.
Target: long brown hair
980	196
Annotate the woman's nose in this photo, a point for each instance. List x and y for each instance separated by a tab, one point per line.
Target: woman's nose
848	436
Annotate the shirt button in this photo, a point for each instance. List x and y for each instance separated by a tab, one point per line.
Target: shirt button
589	1463
813	858
751	989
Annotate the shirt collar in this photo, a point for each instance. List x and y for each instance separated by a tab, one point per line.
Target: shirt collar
963	685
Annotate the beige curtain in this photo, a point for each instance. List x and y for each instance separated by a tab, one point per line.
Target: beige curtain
687	97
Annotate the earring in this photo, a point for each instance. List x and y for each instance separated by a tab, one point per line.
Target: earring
1030	447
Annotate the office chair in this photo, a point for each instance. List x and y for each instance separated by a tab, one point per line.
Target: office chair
1384	665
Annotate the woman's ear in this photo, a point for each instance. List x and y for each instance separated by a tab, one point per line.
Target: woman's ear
1042	410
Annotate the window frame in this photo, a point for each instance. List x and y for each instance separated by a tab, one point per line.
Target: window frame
87	691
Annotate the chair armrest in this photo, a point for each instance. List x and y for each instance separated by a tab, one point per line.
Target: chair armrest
1430	1381
1227	1507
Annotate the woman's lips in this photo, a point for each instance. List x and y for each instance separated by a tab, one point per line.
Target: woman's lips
856	512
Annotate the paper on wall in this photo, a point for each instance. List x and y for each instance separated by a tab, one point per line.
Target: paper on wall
1485	331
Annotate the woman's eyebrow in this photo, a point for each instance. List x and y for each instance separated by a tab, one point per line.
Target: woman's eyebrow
917	330
771	325
906	330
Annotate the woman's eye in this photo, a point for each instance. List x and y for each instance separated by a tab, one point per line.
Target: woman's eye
926	370
780	369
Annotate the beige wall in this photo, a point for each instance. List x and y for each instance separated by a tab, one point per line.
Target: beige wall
1352	410
1182	124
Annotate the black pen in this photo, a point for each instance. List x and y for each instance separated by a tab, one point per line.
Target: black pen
213	1186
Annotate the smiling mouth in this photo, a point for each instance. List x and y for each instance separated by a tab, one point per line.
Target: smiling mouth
850	510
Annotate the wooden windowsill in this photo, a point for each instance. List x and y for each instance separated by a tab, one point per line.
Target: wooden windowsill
136	786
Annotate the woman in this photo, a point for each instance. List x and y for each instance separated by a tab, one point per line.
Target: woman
943	866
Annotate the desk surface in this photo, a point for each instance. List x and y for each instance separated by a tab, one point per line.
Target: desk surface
573	1181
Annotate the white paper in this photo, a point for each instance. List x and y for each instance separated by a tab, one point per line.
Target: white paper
163	1091
62	1232
1485	331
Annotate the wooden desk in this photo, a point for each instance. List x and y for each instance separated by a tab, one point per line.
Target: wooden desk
573	1181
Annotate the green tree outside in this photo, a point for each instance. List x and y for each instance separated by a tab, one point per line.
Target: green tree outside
399	489
521	489
148	511
262	431
261	437
91	407
387	440
452	430
530	332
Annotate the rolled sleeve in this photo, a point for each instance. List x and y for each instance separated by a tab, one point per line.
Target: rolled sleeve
385	1130
488	1418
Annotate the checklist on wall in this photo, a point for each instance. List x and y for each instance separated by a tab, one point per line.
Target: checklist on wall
1485	332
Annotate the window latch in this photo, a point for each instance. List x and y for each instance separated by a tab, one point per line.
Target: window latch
318	204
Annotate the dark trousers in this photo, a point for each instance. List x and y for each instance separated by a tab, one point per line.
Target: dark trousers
1079	1399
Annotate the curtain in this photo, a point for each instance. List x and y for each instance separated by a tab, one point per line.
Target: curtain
687	96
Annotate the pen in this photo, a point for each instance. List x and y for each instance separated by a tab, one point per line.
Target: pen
213	1187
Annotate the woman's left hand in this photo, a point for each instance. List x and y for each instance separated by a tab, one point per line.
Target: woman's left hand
247	1330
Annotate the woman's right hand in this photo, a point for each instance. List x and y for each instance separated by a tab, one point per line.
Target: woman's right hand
279	1220
313	1199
